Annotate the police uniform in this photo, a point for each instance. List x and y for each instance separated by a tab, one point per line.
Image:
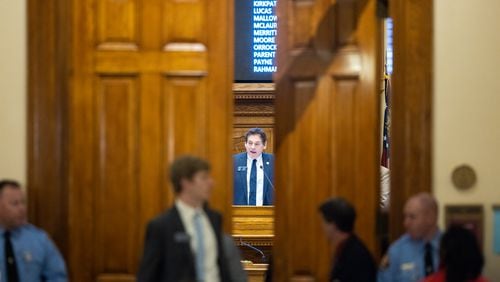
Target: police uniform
405	260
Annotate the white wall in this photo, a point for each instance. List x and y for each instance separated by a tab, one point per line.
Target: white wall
13	89
467	106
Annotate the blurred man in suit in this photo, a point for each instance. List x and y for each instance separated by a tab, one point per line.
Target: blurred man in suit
185	243
254	172
352	262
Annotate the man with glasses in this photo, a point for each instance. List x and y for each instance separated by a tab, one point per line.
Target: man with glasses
254	172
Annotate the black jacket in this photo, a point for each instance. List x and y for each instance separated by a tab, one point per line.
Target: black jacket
353	263
167	251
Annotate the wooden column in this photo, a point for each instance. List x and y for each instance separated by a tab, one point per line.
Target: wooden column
49	29
411	125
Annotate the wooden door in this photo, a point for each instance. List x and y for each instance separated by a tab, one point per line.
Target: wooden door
327	120
139	82
152	81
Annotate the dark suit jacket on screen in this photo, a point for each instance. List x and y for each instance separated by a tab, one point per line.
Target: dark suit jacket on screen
240	179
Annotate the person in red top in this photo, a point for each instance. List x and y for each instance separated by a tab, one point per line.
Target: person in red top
461	257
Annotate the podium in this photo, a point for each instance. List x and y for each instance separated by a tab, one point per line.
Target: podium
253	233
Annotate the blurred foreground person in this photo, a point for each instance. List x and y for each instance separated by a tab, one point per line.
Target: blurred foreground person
461	257
26	253
415	255
185	242
352	261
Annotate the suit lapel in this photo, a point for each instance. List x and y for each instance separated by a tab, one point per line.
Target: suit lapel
242	176
265	164
177	225
179	231
268	178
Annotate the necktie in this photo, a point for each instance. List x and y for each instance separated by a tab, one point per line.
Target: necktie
429	265
252	199
200	248
10	259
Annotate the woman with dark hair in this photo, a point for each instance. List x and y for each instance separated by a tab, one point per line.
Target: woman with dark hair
461	257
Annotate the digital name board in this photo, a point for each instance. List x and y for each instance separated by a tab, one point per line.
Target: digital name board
256	26
264	25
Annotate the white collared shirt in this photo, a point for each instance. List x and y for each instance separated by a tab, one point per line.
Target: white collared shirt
187	214
260	180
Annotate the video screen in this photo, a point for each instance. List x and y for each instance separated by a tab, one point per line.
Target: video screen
256	28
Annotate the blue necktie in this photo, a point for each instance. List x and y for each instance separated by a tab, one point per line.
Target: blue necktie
252	199
200	248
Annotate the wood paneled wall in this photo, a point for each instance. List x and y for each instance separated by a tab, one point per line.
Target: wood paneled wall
327	124
138	82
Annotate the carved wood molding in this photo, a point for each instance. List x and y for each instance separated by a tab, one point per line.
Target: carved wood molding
253	96
259	88
254	99
254	110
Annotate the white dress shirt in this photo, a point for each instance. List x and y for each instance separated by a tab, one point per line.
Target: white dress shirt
187	214
260	180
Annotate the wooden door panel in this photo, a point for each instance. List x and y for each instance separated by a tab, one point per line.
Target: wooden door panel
344	133
116	22
307	185
116	192
185	109
302	11
184	21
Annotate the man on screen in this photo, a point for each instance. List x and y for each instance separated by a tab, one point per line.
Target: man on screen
254	172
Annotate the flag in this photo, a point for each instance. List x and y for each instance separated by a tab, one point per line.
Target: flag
385	159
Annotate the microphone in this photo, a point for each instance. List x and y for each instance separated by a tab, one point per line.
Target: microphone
253	248
267	178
